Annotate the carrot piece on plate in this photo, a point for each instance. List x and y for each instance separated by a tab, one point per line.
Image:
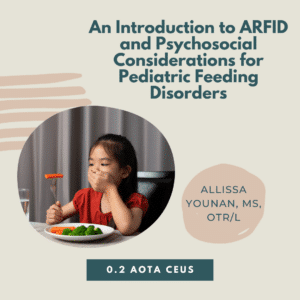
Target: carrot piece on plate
59	230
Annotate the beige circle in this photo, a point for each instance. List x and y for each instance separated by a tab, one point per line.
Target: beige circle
223	204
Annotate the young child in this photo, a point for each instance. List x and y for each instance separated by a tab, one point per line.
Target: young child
112	200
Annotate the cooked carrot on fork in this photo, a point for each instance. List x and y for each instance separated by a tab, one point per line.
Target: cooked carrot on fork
51	176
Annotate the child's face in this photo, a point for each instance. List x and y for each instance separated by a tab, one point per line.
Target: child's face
100	160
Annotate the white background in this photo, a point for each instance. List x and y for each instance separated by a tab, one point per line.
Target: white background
254	128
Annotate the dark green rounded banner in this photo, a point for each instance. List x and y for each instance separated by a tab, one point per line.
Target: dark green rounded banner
150	270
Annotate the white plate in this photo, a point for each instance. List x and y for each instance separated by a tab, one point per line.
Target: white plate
105	229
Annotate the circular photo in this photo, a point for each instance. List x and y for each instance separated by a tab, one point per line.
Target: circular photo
94	176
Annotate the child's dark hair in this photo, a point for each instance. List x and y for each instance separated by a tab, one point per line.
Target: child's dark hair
122	150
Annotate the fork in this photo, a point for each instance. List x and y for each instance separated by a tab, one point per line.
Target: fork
53	188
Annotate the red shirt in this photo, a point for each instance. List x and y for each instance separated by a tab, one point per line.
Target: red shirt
88	203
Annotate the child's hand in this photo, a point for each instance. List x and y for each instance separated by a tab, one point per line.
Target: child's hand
54	214
100	181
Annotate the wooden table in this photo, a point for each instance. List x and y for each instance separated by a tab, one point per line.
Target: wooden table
113	239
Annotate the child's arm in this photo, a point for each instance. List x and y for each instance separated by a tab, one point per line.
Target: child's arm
57	214
127	220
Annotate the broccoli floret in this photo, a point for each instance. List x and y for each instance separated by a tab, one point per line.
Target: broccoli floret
66	231
79	230
90	230
98	231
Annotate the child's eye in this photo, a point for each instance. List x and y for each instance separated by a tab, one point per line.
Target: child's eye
90	165
104	165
